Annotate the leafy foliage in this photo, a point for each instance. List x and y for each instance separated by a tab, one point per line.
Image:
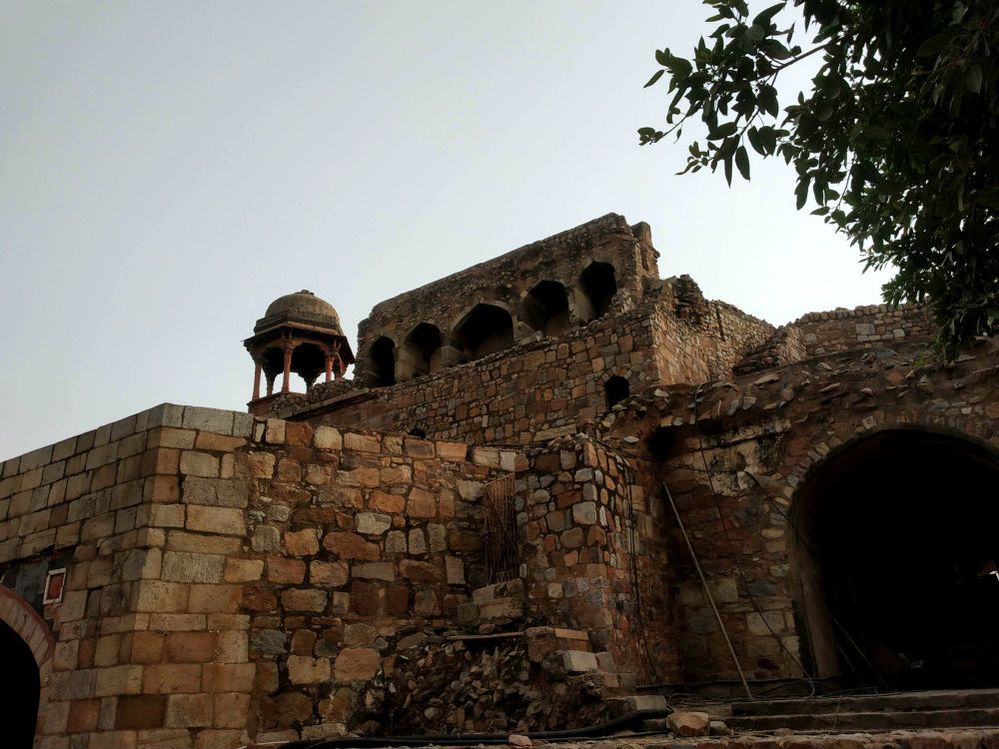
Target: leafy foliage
896	142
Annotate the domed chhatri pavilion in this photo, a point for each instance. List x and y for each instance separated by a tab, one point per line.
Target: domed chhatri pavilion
299	333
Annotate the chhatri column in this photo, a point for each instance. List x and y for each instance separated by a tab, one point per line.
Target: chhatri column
329	366
286	381
256	379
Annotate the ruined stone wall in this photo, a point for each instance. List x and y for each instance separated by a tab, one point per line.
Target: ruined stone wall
541	390
735	464
592	549
530	393
358	543
505	281
863	327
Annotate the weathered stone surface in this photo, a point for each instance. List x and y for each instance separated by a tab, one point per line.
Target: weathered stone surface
689	723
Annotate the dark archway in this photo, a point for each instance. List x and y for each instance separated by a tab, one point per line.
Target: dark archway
896	547
20	690
484	330
308	361
598	284
381	363
546	308
420	353
616	389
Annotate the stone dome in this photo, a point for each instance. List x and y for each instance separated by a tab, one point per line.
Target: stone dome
302	306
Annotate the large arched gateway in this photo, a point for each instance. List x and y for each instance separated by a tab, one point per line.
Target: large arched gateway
25	647
896	552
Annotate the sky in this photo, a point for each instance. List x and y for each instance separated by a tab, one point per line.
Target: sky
167	169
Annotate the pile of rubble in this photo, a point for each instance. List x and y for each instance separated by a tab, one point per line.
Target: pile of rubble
487	684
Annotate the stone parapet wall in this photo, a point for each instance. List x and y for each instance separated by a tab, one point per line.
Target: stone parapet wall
507	279
863	327
544	389
592	546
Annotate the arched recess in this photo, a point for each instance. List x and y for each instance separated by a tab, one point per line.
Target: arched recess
484	330
26	646
273	366
381	363
420	353
308	361
894	561
546	308
597	286
616	389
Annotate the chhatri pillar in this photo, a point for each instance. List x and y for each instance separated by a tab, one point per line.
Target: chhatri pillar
298	334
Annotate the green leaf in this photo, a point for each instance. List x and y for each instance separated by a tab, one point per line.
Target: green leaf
742	162
655	77
728	169
723	131
755	33
767	97
973	78
764	17
932	46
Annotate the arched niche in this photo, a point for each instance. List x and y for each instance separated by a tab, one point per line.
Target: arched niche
420	352
596	289
381	363
894	560
616	389
546	308
308	361
486	329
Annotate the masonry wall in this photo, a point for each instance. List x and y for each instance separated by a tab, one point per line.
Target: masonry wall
735	466
544	389
863	327
506	280
595	560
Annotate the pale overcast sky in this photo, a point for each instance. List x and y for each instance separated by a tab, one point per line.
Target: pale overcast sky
167	169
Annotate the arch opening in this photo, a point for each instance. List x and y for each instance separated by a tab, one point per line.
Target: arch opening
616	389
381	363
895	555
308	361
420	353
546	308
598	285
484	330
19	708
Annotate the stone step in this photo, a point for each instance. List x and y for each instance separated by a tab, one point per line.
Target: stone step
869	721
630	703
579	661
897	701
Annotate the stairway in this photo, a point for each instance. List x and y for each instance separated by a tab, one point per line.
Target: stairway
881	712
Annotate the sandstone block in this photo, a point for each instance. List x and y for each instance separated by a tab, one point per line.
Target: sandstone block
387	502
243	570
421	504
281	570
189	710
350	546
689	723
328	574
190	567
579	661
356	664
365	443
222	520
327	438
309	599
374	571
230	710
306	670
372	523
